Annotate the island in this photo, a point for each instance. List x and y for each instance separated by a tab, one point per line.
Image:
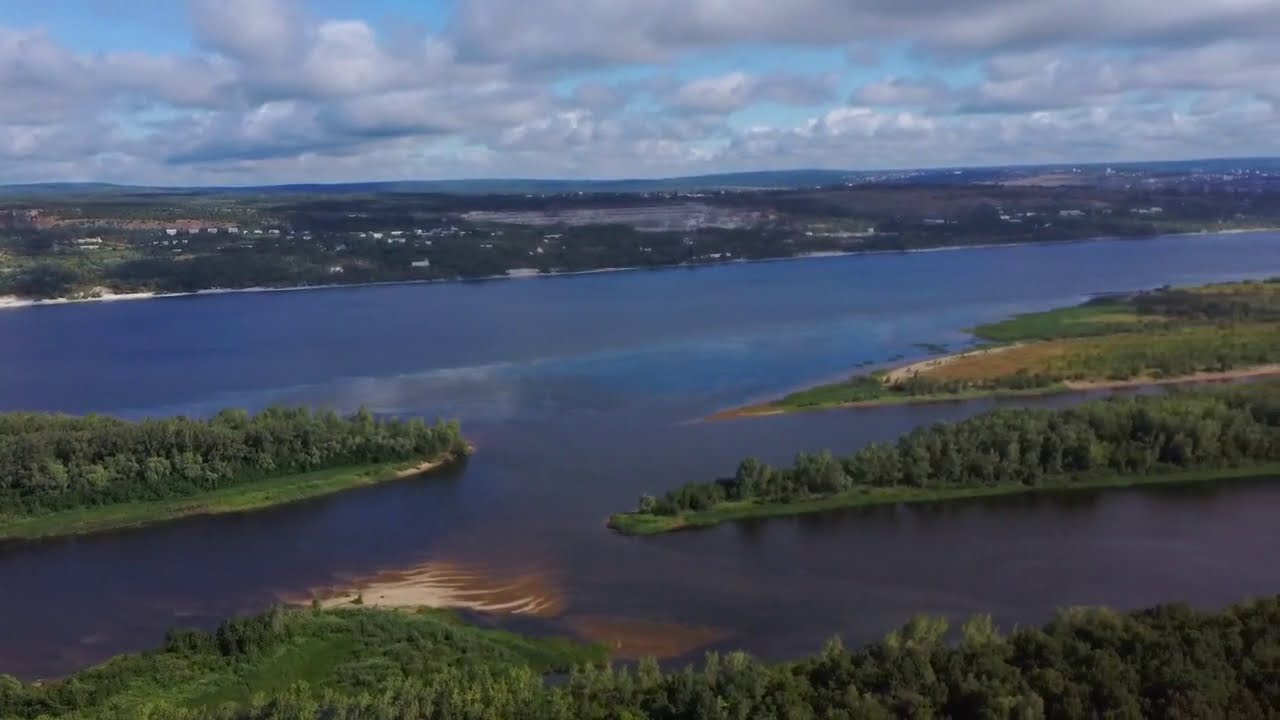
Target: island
1170	661
1186	436
65	475
1208	333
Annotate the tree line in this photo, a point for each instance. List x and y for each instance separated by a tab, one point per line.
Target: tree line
1166	662
59	462
1118	436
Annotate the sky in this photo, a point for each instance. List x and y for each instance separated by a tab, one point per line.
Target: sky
234	92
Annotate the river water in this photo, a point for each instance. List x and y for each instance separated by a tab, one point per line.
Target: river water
583	392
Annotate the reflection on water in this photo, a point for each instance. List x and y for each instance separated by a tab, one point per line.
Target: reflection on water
633	639
578	392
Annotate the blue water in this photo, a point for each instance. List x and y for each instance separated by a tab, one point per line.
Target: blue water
583	392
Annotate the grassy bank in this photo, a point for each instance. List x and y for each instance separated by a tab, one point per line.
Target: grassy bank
842	395
635	523
238	498
297	652
1206	333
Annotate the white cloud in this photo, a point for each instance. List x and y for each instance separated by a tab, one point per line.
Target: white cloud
734	91
274	93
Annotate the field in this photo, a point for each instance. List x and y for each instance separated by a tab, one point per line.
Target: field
1212	332
1096	318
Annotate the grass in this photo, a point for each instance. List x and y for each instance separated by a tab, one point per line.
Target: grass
635	523
238	498
1095	318
344	649
848	394
1106	341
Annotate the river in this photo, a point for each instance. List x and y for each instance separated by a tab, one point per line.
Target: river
583	392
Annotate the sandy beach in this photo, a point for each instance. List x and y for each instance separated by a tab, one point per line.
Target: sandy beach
446	585
905	372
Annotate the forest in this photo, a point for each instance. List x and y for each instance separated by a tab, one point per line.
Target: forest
1119	437
51	463
1171	661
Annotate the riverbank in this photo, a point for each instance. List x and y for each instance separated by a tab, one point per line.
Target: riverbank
1170	336
635	523
774	407
239	498
8	302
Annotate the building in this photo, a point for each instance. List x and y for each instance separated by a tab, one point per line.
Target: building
1071	213
171	231
423	263
89	241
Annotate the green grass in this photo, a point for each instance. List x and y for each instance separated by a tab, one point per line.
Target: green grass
851	393
1106	340
1097	318
634	523
347	649
238	498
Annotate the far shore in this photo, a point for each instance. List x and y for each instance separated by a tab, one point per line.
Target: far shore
769	408
14	301
235	499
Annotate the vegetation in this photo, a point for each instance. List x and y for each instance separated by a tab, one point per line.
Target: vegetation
296	653
183	241
1182	436
1159	335
1165	662
62	474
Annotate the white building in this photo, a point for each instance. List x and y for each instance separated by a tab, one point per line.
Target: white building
171	231
424	263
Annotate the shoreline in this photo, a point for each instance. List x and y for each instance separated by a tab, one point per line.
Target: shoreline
769	408
248	497
13	302
635	524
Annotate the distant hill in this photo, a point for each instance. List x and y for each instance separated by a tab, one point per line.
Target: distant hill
760	180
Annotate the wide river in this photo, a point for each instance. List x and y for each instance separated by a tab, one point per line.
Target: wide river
583	392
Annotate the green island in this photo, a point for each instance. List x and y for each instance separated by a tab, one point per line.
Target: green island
1200	435
1169	335
1170	661
64	475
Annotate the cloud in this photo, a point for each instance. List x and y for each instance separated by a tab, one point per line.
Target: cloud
572	31
270	91
724	94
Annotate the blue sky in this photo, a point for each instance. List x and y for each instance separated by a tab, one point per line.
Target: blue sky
259	91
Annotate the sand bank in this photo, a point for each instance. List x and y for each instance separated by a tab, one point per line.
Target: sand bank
446	585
